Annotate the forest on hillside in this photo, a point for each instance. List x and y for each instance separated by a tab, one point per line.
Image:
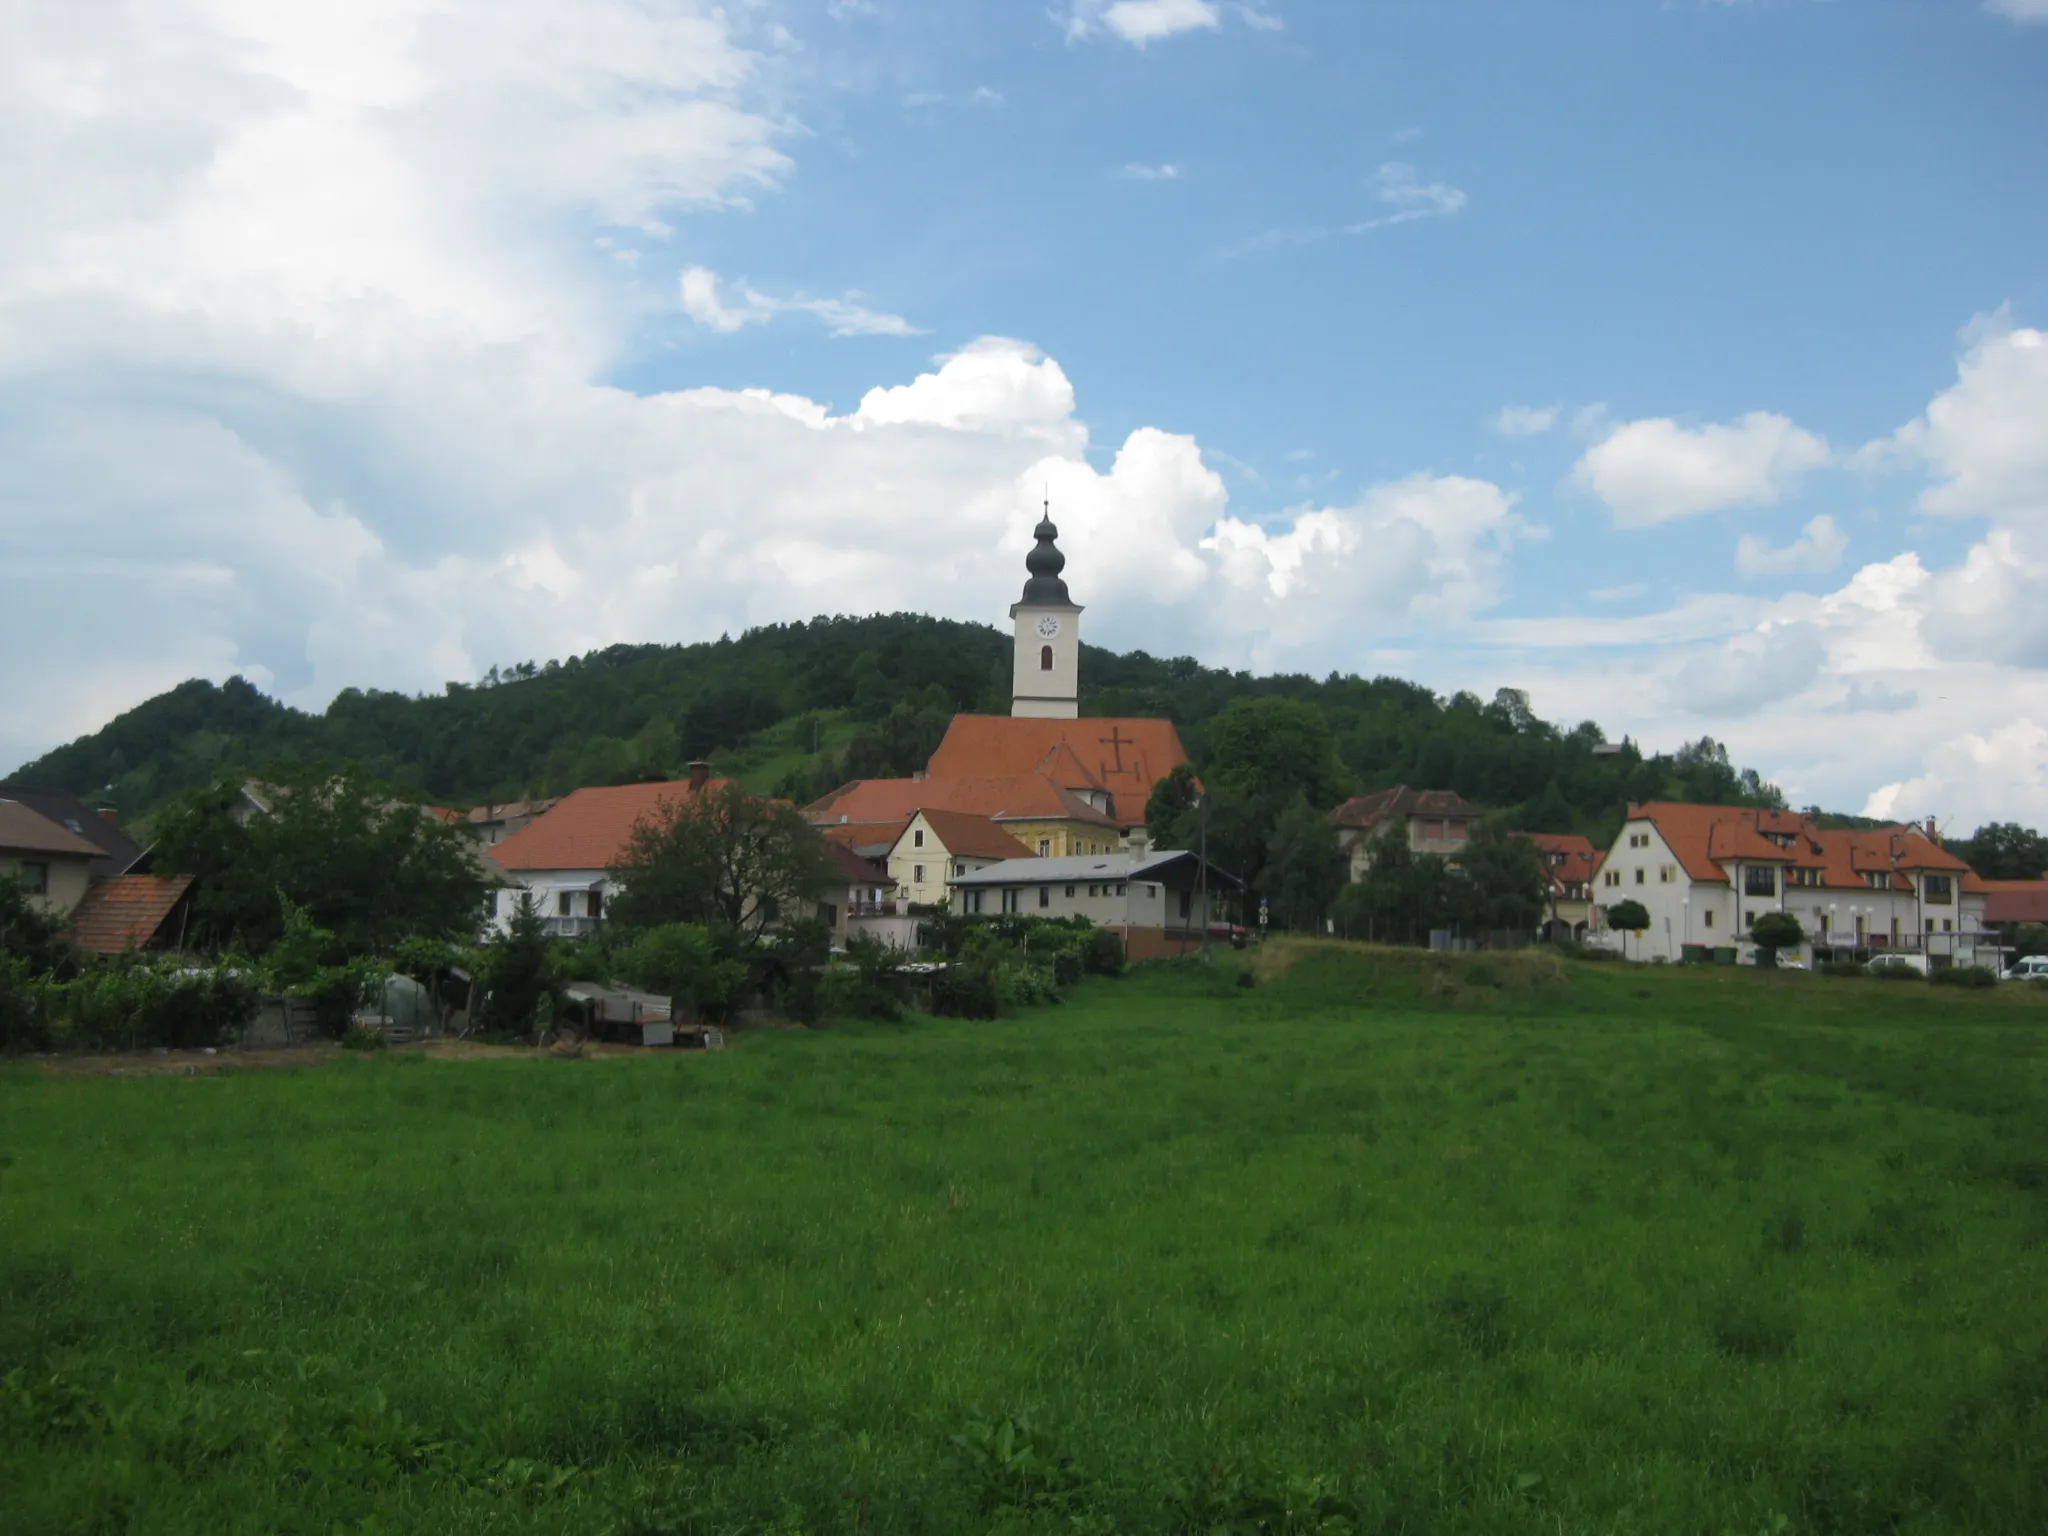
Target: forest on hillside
798	708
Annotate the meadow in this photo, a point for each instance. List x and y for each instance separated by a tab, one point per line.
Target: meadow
1379	1244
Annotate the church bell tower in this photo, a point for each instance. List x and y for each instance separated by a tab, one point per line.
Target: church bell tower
1046	682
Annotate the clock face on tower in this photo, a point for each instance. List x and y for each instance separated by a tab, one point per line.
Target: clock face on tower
1049	626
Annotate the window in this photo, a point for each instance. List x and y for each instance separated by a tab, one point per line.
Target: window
1749	920
1807	877
1639	839
562	903
1759	880
597	903
1930	925
1642	876
973	901
1666	873
1940	890
917	838
1611	877
35	877
1013	900
1045	847
1045	658
1948	925
1120	888
1070	893
1044	896
1151	890
1710	919
959	868
1877	880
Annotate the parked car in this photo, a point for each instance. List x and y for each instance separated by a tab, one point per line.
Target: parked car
2031	968
1900	962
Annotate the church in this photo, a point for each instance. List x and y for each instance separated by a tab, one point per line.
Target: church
1059	785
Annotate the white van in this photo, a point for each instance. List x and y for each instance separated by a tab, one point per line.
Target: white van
2033	968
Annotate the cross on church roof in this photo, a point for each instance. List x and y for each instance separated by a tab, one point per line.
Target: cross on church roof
1117	741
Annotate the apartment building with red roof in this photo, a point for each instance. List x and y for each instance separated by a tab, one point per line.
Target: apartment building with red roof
1705	873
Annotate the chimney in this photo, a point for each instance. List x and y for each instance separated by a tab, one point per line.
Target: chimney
1933	832
700	775
109	815
1140	843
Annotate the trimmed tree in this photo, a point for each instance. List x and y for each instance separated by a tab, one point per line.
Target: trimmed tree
1630	917
1772	932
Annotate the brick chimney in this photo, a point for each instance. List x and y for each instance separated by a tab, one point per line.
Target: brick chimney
1933	832
700	775
109	815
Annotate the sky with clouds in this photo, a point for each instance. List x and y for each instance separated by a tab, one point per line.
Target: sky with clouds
1683	362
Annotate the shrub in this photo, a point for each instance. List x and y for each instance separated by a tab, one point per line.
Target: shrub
966	990
680	961
124	1005
1965	976
357	1038
1839	968
871	986
1104	955
1895	973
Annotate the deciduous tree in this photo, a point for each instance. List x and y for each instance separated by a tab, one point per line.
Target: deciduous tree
723	858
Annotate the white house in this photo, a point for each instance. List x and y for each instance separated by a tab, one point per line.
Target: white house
1705	873
1159	902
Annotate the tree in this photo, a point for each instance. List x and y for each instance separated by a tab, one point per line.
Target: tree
1304	868
29	935
519	975
1629	917
723	859
1503	883
682	963
1772	932
1401	896
2005	850
371	870
1273	749
2029	939
1173	807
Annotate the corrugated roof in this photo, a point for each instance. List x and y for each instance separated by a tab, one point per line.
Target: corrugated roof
125	911
962	834
590	828
1126	757
1367	811
1107	866
24	831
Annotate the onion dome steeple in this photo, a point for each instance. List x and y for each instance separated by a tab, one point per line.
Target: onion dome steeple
1045	562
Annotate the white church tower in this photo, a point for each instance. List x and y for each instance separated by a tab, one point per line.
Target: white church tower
1047	681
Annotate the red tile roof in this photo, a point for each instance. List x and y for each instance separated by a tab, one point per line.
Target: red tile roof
853	869
1568	859
590	828
1125	757
2014	901
962	834
1028	797
24	831
1367	811
1704	837
125	911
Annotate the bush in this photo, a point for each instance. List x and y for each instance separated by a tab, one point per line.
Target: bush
357	1038
681	962
1104	955
966	990
124	1005
1572	949
1895	973
1965	976
871	986
1839	968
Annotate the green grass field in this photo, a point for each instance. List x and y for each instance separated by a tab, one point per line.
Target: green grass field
1383	1244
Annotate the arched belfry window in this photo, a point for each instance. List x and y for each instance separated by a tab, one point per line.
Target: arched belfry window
1045	658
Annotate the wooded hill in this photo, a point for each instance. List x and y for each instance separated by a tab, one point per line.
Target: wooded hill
798	708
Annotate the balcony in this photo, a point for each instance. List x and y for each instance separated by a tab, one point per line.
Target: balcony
571	927
872	909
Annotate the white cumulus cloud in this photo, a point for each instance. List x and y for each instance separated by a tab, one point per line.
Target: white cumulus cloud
1526	420
1143	21
1655	470
1819	547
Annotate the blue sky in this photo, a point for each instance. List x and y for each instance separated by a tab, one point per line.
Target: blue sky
1679	362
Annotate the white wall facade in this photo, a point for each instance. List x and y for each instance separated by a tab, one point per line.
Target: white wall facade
64	879
564	898
1046	693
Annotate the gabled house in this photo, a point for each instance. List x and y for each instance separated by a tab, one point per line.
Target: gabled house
118	852
52	863
863	901
493	823
1705	873
1571	864
935	847
1437	821
564	857
1045	818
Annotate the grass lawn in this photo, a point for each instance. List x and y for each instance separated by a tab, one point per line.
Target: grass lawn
1382	1244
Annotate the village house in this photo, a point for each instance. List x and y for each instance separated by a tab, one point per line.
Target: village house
1157	902
565	856
100	826
135	911
1705	873
1438	821
863	901
493	823
936	846
1571	864
51	863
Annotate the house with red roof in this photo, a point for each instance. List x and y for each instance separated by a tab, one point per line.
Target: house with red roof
1570	866
936	847
1705	873
564	856
1437	821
